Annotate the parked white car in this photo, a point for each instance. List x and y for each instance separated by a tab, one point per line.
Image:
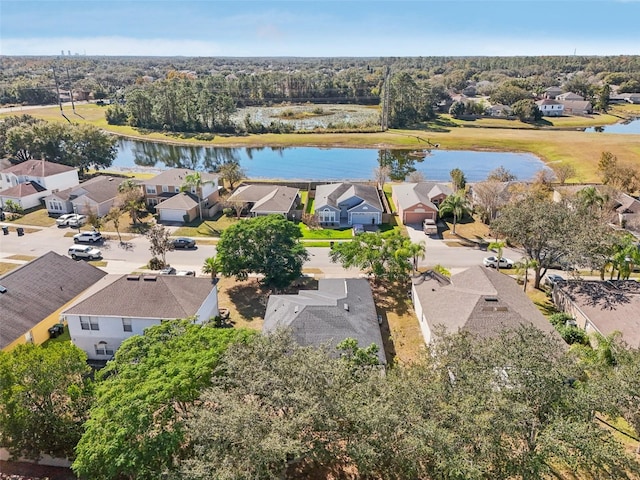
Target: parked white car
63	220
493	262
84	251
87	237
77	221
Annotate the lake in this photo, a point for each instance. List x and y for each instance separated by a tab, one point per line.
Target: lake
629	127
308	163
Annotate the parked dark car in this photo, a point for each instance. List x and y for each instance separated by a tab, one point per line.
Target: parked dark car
184	243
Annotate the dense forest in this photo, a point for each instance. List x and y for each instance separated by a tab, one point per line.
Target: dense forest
200	94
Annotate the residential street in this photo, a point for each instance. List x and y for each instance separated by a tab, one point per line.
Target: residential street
134	254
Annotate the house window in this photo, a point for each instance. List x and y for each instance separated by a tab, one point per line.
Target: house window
55	206
93	323
177	189
165	188
152	202
28	337
327	215
126	325
151	189
84	323
103	348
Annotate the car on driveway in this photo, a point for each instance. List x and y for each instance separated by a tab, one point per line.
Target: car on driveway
183	242
87	237
84	251
551	279
168	271
494	262
63	220
77	221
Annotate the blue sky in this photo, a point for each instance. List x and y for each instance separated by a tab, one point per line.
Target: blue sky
320	28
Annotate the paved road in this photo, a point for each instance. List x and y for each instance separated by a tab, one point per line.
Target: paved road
135	253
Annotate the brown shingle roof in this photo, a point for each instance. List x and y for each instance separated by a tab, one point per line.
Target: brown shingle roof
23	190
38	168
147	296
39	288
267	198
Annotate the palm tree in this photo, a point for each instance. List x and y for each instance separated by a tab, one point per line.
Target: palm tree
498	246
131	198
193	181
523	266
415	251
456	205
591	199
212	266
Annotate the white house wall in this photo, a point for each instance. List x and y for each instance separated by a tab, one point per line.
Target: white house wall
111	330
61	181
422	321
209	308
26	202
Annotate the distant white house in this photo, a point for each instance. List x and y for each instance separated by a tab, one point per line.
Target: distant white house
550	108
119	307
27	183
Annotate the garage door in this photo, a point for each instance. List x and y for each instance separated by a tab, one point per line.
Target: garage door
364	218
415	217
167	215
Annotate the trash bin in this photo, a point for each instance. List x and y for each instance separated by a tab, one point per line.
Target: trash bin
20	231
5	230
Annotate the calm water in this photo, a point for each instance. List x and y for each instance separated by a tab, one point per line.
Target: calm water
307	163
632	127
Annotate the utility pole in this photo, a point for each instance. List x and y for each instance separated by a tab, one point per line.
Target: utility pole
73	105
55	78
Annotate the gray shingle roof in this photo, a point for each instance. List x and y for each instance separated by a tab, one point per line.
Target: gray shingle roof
23	190
179	201
100	189
479	300
37	168
267	198
39	288
410	194
147	296
339	309
335	193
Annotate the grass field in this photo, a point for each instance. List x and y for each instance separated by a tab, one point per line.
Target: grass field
580	149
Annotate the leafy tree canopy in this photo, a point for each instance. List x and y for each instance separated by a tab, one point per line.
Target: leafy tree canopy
143	396
266	245
45	394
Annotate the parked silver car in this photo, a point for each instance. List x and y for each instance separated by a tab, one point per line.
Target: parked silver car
84	251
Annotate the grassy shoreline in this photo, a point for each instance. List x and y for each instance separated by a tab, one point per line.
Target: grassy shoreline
561	143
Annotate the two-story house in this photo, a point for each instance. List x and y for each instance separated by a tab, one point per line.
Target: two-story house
27	183
550	108
165	193
121	306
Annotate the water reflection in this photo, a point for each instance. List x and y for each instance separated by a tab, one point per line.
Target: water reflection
334	164
631	126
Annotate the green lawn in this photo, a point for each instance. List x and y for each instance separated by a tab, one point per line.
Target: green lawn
310	206
207	228
325	233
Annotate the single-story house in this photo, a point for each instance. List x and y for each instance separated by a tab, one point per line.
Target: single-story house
340	309
267	199
478	300
97	195
577	107
552	92
124	305
569	96
550	108
25	195
416	202
624	97
348	203
602	307
499	110
164	186
28	182
33	295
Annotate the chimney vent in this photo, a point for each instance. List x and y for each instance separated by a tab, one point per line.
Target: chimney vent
346	307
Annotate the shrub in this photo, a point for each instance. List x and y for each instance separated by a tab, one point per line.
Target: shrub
156	264
228	212
560	319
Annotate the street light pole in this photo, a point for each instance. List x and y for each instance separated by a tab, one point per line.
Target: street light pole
75	212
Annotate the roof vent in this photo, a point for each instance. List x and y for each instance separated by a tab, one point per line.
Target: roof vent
346	307
490	299
149	278
295	309
133	278
3	289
